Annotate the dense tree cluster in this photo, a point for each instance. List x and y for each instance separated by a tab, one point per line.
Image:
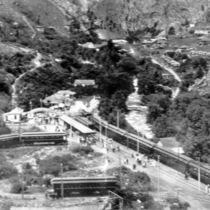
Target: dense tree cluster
134	186
187	117
43	82
192	69
149	77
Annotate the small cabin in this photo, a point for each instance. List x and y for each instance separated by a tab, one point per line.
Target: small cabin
13	116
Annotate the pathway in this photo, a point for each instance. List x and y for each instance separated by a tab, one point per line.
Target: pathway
171	71
37	63
30	26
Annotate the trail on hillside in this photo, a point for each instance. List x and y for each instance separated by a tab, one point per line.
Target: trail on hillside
171	71
37	63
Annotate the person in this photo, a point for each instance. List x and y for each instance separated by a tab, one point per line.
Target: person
118	148
138	161
144	164
207	189
186	175
134	166
127	161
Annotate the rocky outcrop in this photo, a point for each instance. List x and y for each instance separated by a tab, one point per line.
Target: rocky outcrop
135	14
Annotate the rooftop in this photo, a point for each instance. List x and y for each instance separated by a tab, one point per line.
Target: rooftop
84	82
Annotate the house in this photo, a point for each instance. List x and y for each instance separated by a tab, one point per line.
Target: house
171	143
13	116
30	114
62	96
202	28
84	82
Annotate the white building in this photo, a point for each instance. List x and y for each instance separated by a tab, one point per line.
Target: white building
13	116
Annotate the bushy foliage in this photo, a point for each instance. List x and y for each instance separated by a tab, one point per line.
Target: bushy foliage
52	165
18	188
7	170
192	69
149	77
32	129
44	81
82	150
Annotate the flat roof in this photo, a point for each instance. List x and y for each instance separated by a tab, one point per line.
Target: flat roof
78	126
84	82
84	178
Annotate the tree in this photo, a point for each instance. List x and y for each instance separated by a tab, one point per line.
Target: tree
149	77
194	129
162	127
171	31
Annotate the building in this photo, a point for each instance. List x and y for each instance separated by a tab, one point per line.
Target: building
13	116
84	82
171	144
31	114
62	96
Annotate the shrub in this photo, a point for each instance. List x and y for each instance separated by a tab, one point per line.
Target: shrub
32	179
7	171
97	154
83	150
52	165
6	205
26	166
18	187
47	166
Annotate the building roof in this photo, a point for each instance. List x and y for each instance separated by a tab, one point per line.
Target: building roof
171	143
84	82
16	110
38	110
106	34
54	99
66	92
78	126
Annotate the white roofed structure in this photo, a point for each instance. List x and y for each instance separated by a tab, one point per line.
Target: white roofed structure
75	125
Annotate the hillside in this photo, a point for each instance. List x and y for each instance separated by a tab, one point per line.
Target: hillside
137	14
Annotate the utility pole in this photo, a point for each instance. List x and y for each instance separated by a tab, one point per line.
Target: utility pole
118	118
61	181
22	184
41	102
158	175
19	131
199	175
100	129
120	170
30	103
70	137
106	129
